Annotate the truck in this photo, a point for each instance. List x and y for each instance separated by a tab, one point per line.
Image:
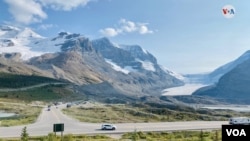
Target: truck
239	121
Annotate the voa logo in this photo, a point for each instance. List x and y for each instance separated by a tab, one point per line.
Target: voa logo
228	11
236	132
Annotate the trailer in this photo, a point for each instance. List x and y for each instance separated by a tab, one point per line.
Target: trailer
239	121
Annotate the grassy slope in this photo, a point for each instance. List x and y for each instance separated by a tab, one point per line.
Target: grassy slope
49	92
45	93
18	81
25	113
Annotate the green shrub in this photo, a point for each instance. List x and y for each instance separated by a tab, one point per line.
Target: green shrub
24	134
68	137
51	137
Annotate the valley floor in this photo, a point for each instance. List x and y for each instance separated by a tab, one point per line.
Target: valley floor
238	108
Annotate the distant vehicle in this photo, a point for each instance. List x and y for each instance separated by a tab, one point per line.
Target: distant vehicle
239	121
68	105
57	103
49	106
108	127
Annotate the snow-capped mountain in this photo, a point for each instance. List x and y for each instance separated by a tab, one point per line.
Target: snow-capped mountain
125	58
20	34
29	43
217	73
214	76
232	81
128	69
13	39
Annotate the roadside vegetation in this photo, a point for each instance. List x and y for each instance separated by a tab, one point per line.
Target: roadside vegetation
214	135
124	113
24	113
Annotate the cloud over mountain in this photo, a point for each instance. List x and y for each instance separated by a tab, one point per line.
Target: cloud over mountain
32	11
126	26
26	11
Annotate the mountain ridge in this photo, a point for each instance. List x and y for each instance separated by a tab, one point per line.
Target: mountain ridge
232	85
129	69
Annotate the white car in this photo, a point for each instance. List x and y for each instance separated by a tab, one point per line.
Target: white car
108	127
239	121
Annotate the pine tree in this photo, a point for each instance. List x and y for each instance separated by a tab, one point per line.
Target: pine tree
24	134
201	136
216	137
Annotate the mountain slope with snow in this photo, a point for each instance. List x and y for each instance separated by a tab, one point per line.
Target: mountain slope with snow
13	39
219	72
29	43
128	69
233	82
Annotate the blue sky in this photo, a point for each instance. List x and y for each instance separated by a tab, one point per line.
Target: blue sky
186	36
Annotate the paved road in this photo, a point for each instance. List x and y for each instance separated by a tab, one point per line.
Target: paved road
44	125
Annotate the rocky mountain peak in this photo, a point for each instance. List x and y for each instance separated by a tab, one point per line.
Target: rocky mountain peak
66	35
10	56
139	52
80	44
104	43
62	34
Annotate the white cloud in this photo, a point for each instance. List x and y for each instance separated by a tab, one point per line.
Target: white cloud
26	11
143	29
31	11
65	5
109	32
126	26
46	26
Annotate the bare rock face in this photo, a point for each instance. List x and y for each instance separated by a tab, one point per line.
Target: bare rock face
68	66
6	43
11	56
72	63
